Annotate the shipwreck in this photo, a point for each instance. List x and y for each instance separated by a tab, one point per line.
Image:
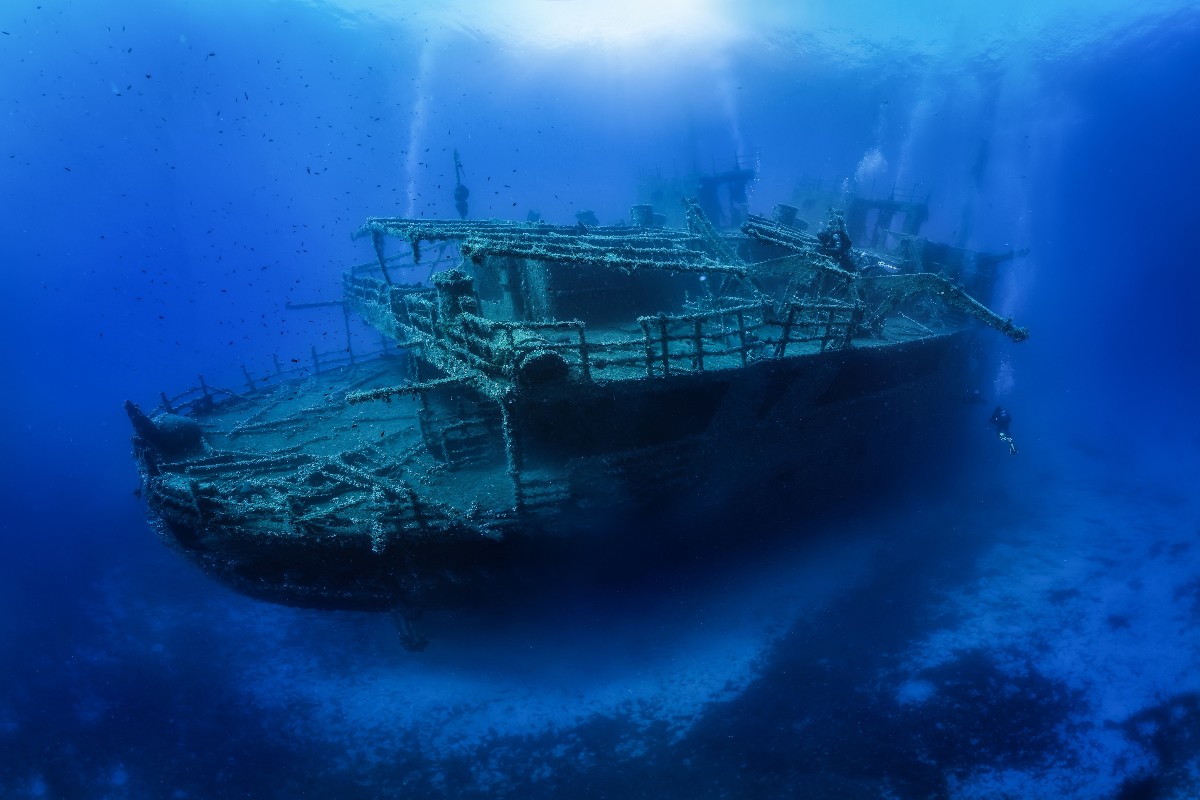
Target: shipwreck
556	382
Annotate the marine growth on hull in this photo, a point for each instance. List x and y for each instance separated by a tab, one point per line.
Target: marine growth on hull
545	378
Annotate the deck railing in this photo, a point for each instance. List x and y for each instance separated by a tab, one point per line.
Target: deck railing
695	342
662	345
204	396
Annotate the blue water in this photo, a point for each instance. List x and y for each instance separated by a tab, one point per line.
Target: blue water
174	173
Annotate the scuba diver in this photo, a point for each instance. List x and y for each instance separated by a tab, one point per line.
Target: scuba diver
1001	419
834	242
461	193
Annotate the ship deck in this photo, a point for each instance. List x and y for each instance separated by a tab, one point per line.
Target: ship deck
267	444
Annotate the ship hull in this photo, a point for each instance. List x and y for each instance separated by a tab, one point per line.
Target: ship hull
632	469
774	442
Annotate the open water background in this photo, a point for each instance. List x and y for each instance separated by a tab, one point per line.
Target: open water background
173	173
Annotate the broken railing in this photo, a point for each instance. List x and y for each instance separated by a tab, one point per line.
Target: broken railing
892	291
610	247
383	305
288	493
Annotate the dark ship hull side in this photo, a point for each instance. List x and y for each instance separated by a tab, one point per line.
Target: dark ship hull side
740	446
634	469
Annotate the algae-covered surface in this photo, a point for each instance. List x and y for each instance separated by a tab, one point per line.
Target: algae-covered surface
182	186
